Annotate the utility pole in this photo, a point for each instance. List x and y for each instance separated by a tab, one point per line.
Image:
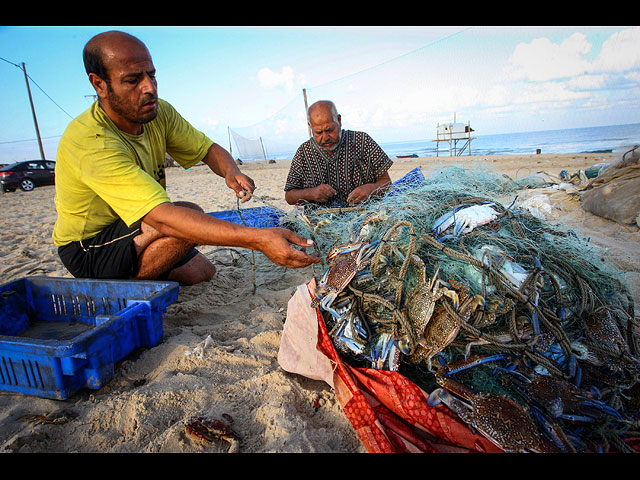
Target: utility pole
33	111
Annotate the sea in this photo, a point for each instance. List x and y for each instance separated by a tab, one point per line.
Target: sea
608	139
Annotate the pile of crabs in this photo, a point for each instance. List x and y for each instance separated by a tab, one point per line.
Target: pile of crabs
486	309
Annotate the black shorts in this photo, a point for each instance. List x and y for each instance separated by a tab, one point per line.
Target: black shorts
110	254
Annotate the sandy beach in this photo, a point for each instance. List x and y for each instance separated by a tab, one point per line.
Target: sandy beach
235	374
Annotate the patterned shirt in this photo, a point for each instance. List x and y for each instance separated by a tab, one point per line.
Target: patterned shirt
357	160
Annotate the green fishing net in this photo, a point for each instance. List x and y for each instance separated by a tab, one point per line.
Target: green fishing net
536	298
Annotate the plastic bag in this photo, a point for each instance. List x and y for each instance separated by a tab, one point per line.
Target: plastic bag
298	352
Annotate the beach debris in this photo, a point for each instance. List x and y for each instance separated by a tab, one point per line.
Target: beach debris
538	205
630	157
615	193
208	431
577	178
198	351
58	417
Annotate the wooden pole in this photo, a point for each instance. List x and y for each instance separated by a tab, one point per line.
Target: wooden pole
306	108
33	111
264	154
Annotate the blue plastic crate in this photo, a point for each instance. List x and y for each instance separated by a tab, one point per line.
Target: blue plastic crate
260	217
59	335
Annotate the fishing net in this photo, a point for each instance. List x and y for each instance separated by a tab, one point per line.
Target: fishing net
491	302
246	148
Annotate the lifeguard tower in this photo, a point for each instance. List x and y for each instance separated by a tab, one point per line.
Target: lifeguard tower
454	133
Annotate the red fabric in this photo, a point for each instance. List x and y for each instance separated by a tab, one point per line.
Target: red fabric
390	413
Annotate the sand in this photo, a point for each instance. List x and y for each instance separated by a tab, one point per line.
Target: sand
234	372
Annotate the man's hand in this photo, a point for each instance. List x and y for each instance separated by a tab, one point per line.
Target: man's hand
361	193
279	245
221	163
321	193
241	184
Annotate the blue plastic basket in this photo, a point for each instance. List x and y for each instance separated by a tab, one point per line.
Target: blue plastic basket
260	217
59	335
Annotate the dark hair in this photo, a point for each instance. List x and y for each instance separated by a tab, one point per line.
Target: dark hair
93	54
93	61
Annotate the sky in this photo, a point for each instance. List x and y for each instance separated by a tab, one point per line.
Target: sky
396	83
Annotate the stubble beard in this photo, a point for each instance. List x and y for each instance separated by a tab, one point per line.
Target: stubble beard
128	111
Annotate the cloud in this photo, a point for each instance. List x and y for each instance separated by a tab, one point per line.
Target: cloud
588	82
542	60
550	92
267	78
620	52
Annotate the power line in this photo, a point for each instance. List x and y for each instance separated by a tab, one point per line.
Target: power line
446	37
29	140
36	84
395	58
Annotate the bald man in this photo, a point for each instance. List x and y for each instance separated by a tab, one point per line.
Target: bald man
335	167
115	219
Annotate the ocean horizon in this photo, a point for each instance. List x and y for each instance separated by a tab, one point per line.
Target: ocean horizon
605	139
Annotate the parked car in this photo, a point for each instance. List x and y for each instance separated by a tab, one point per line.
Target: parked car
27	175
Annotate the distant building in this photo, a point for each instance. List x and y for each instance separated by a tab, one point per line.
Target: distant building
452	133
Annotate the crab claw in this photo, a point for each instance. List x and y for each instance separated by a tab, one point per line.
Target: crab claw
404	345
344	249
561	312
437	396
477	301
453	296
325	304
462	226
443	223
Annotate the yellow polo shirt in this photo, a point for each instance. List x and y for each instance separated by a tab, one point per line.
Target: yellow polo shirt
103	173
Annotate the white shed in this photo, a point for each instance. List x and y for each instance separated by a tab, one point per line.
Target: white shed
453	133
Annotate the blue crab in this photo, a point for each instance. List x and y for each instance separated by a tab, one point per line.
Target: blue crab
443	329
606	342
497	417
562	399
463	219
344	263
556	403
350	332
421	303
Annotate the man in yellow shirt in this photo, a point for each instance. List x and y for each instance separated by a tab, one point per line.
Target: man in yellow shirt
115	219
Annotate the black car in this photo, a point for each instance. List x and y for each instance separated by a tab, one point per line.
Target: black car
27	175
